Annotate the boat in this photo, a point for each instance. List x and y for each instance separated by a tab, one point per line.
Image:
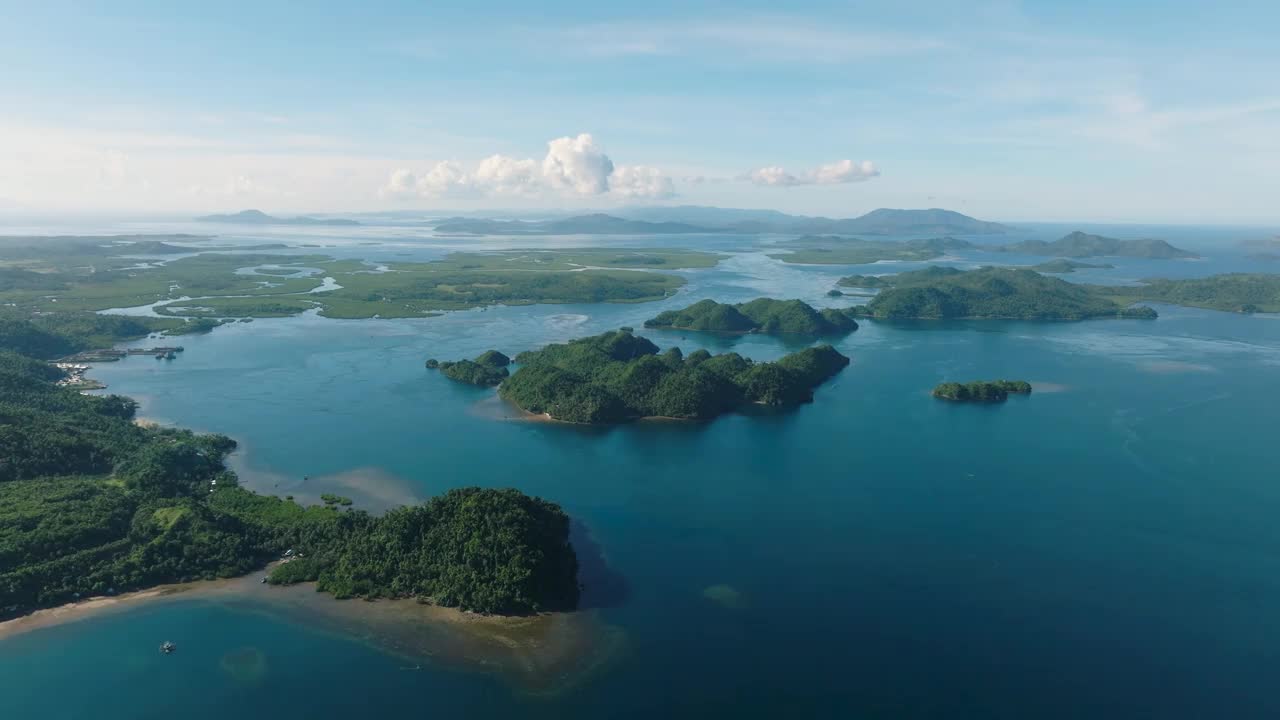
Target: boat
168	647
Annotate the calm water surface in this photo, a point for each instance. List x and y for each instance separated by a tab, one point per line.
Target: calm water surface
1105	548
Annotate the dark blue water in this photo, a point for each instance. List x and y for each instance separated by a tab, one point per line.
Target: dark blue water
1105	548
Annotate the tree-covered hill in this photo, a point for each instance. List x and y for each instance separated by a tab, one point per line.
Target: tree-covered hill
618	376
763	315
992	293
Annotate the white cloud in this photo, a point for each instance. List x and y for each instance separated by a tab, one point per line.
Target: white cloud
573	166
445	177
577	165
772	175
402	184
836	173
844	171
641	181
507	175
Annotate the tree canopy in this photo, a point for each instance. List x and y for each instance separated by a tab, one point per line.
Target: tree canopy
617	376
763	315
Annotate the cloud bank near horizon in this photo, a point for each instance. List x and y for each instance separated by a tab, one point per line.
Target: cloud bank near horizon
576	166
572	167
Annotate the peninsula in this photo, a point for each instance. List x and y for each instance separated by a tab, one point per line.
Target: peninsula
763	315
618	376
832	250
487	370
92	503
1061	266
981	390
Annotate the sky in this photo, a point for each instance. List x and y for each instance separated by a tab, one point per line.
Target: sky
1135	111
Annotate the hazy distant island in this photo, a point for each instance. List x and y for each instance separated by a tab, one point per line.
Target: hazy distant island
1061	266
763	315
487	370
1082	245
596	224
618	377
716	220
987	293
833	250
93	503
981	391
257	217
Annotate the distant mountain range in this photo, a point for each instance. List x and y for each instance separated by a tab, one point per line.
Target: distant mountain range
257	217
1082	245
694	219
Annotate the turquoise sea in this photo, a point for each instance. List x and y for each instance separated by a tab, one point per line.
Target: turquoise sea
1108	547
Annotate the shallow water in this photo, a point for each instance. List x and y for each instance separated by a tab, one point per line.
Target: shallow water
1105	547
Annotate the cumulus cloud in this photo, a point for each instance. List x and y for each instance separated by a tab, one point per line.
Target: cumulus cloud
578	165
641	181
836	173
507	175
572	166
402	184
445	177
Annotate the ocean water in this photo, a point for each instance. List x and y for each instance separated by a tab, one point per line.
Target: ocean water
1104	548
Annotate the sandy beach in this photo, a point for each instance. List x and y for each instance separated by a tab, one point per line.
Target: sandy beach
538	655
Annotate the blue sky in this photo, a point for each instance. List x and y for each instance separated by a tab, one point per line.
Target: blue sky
1107	111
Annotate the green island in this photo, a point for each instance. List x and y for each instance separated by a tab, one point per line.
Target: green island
618	377
831	250
981	390
1081	245
1230	292
93	503
763	315
1061	266
989	293
487	370
94	274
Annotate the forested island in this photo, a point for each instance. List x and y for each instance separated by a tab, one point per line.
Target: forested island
1231	292
1082	245
1061	266
618	376
487	370
981	390
92	503
989	293
763	315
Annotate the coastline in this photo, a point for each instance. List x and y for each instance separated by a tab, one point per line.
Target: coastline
540	655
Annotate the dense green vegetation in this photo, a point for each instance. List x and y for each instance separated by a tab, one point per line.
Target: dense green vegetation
92	503
762	315
1233	292
50	336
1063	266
618	376
829	250
487	370
47	274
991	292
1080	245
981	390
